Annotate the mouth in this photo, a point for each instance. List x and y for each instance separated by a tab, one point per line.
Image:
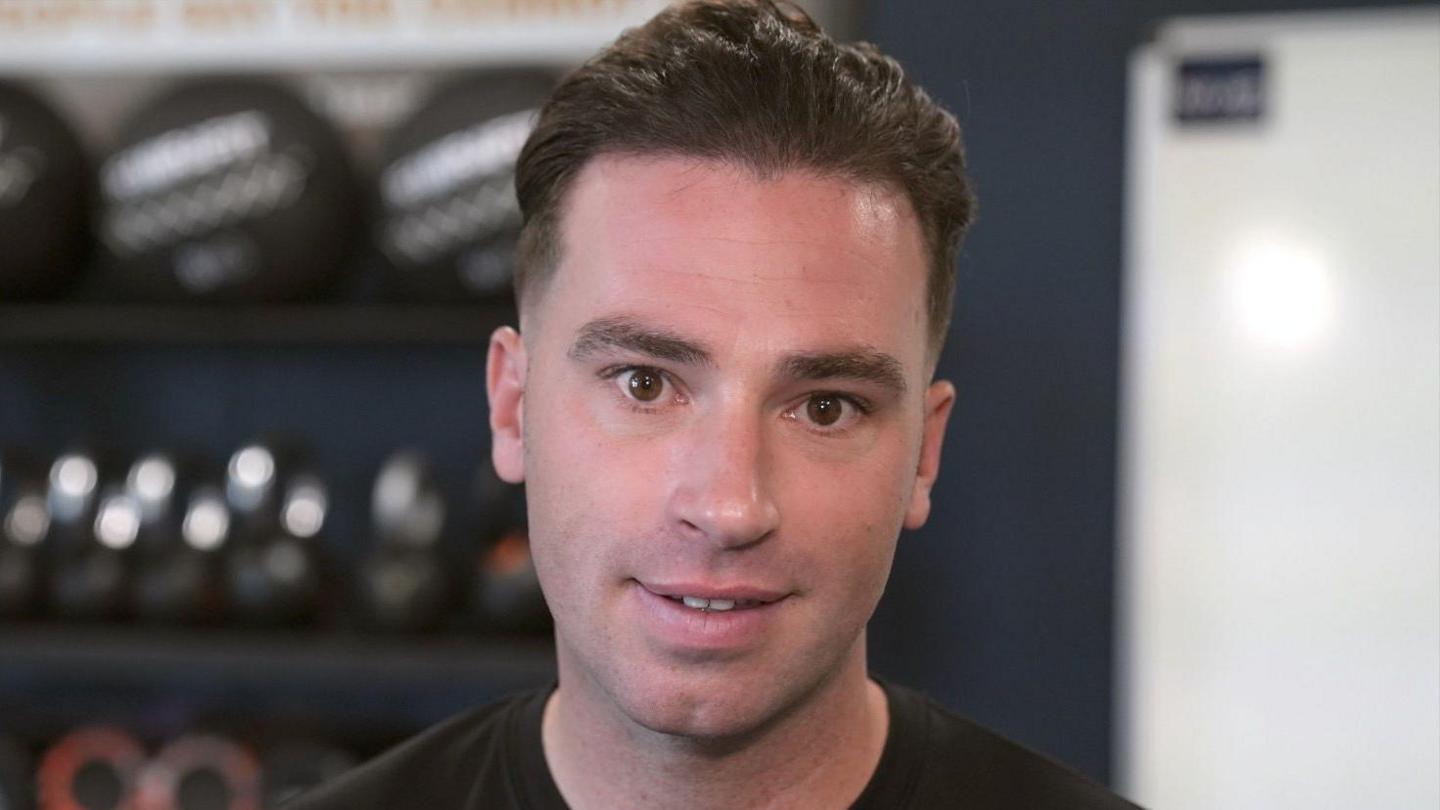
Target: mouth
718	605
715	599
705	619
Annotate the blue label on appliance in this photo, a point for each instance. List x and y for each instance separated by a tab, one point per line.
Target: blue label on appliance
1219	90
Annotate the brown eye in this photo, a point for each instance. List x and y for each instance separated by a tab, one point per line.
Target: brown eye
823	409
645	385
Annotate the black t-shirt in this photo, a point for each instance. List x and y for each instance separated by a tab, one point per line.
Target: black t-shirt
492	758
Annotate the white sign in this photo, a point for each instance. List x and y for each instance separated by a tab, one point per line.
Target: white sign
102	35
1280	495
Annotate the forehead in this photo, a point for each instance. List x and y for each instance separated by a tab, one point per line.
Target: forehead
794	261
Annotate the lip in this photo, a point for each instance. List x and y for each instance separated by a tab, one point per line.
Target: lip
732	592
687	632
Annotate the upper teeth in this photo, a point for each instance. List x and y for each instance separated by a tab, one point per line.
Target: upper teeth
707	604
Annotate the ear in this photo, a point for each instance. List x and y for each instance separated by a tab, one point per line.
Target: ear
505	368
938	401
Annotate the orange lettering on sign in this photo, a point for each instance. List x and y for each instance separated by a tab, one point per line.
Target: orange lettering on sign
469	9
63	15
349	11
226	13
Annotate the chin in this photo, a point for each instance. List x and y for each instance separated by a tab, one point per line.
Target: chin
704	709
711	723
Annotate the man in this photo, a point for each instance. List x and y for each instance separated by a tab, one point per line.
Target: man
734	279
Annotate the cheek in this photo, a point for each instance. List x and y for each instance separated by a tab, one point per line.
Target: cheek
585	495
850	516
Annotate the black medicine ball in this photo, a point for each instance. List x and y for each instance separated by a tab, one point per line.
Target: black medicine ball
448	217
44	199
227	190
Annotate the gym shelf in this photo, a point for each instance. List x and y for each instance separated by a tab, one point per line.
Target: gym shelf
123	651
76	674
337	323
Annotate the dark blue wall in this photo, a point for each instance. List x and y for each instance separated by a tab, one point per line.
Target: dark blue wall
1003	605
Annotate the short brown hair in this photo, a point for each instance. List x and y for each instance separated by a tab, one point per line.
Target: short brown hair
762	86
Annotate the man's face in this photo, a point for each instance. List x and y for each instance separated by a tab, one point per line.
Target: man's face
722	393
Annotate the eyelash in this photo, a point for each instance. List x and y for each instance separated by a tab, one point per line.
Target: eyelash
613	373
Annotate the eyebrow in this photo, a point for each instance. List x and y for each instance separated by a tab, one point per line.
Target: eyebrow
631	335
862	364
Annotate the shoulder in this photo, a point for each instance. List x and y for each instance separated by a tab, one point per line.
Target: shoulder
970	765
440	767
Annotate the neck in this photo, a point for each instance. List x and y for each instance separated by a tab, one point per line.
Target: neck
819	755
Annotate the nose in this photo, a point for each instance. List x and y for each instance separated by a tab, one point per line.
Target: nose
721	493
